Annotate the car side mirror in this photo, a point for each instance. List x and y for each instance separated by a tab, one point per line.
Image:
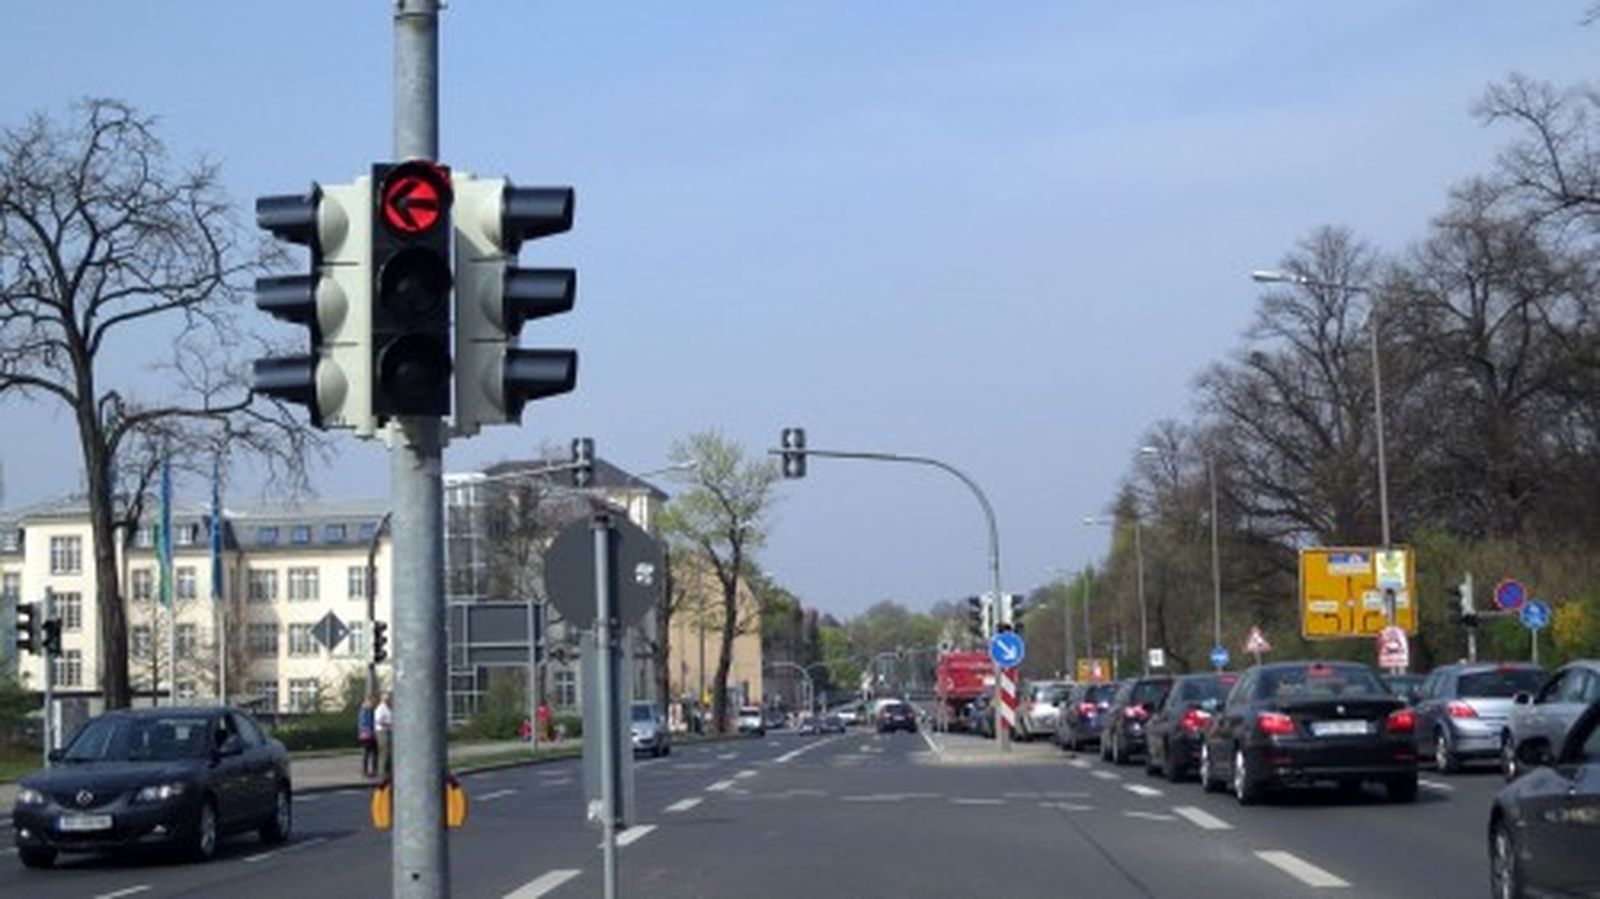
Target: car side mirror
1535	753
1522	699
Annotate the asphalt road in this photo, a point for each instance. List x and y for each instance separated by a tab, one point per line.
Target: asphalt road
859	815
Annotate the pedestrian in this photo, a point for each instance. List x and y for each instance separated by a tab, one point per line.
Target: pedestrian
367	736
383	728
543	714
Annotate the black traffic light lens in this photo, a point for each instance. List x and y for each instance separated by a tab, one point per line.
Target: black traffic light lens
415	282
411	370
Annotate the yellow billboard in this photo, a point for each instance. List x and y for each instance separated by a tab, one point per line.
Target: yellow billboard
1344	591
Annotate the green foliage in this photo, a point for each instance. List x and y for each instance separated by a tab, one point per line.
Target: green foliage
324	730
503	708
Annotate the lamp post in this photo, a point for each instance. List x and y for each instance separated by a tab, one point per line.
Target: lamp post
1216	554
1069	649
1144	616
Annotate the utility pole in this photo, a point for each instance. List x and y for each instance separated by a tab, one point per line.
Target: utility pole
420	864
49	676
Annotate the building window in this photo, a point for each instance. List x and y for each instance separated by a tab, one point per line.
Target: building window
356	581
10	540
263	585
186	691
302	584
70	607
261	640
144	536
185	534
144	584
267	536
66	555
355	642
267	690
139	640
300	535
10	587
186	641
69	668
304	694
186	582
334	533
566	688
300	640
369	529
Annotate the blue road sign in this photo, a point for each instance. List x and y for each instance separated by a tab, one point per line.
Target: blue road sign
1219	656
1536	615
1007	649
1510	595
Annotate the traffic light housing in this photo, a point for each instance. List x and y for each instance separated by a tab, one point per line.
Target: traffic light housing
582	462
380	641
411	279
975	624
28	627
495	377
1463	591
1016	606
333	301
51	639
794	452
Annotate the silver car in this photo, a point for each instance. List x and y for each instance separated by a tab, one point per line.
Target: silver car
1548	714
649	730
1041	708
1462	709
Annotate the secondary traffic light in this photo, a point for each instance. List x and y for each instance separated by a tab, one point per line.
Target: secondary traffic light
51	641
333	300
28	627
380	641
794	452
1016	606
494	298
1463	591
410	271
582	461
975	617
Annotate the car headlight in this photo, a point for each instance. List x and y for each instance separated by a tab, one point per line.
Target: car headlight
29	796
161	792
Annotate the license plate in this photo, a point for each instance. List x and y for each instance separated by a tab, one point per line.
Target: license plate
83	823
1338	728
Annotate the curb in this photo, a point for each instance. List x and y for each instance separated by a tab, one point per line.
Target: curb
576	752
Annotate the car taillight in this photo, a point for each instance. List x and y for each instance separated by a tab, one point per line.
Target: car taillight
1087	708
1274	723
1195	720
1137	713
1401	721
1461	710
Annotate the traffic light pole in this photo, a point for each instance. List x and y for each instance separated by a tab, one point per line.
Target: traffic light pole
420	864
49	607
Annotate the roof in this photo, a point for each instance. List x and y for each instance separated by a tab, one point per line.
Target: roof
606	475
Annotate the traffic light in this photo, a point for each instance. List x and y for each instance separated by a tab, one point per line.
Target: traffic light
494	298
28	627
1016	606
410	277
51	640
380	641
1463	591
333	300
975	623
794	452
582	461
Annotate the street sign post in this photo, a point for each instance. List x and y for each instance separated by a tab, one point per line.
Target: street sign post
1219	657
569	570
1344	591
1256	644
1007	649
1394	650
1535	617
330	631
1158	658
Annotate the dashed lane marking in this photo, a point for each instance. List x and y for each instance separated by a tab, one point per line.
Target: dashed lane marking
960	801
634	834
565	781
543	884
728	755
1300	869
1106	775
719	786
744	774
1436	785
292	847
1141	790
1201	818
1150	816
1067	806
497	794
130	891
683	805
1078	763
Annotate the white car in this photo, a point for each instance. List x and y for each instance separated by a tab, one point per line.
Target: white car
751	721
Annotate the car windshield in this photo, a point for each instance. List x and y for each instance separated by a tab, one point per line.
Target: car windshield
1320	682
1501	683
1149	691
1100	693
1051	695
1201	689
643	712
140	738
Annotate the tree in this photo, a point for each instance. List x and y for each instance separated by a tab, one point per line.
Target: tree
106	252
721	517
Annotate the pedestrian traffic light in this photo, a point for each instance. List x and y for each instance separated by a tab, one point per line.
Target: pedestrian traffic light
582	462
380	641
495	377
51	641
410	271
28	627
794	452
333	300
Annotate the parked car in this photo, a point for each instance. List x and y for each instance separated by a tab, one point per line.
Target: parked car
1406	686
1123	737
650	730
1548	713
1295	724
895	716
1083	715
831	724
171	777
752	721
1462	710
1174	731
1542	827
1040	708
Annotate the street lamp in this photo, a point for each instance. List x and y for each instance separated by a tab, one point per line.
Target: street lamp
1216	554
1144	616
1069	650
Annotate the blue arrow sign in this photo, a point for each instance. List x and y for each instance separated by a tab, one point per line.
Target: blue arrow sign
1219	656
1007	649
1536	615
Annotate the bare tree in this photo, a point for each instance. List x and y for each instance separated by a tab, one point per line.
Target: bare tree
106	254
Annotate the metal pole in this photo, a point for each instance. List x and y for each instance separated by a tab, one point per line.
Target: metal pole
1144	610
49	677
1377	402
421	862
605	671
1088	594
535	639
1216	559
1069	654
372	602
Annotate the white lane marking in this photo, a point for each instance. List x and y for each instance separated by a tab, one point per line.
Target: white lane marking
683	805
693	766
744	774
796	753
1142	790
874	797
543	884
929	740
557	783
728	755
1149	816
292	847
719	786
1300	869
497	794
1067	806
1201	818
978	801
127	892
634	834
302	800
1436	785
1106	775
774	744
1078	763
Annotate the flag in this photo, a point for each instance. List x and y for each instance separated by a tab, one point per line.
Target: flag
216	532
164	532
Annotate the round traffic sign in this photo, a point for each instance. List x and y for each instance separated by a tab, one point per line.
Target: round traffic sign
415	197
1007	649
1536	615
1510	595
1219	656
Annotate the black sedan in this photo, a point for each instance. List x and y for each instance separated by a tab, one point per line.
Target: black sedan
1543	825
172	777
897	716
1301	723
1123	737
1172	735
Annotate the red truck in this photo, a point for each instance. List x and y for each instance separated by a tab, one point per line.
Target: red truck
961	677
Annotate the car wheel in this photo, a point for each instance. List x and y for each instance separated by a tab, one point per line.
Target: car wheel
1505	876
1208	776
203	842
1443	758
1170	766
36	856
666	748
1245	789
1402	788
1508	759
276	830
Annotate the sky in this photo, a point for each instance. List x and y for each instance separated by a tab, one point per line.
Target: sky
1004	236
